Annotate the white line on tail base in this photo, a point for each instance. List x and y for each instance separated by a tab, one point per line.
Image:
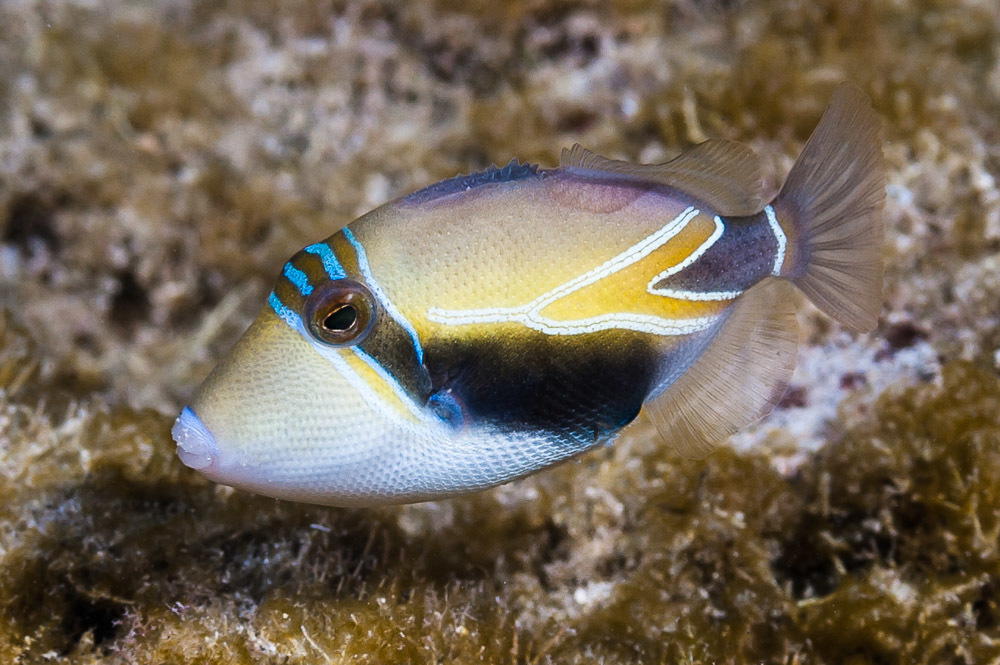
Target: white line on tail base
779	236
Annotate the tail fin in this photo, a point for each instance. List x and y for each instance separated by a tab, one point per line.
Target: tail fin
832	204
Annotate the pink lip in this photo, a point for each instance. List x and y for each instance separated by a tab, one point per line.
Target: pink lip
196	445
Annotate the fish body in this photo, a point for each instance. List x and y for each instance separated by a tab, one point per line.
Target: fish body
491	325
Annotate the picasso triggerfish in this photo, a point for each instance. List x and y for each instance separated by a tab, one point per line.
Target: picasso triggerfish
494	324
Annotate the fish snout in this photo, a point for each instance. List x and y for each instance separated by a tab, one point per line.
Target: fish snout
196	445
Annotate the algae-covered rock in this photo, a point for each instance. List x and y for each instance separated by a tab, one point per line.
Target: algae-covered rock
159	162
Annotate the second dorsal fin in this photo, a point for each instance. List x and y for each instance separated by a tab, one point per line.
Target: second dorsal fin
724	174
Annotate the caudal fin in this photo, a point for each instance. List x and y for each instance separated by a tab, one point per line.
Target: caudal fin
832	201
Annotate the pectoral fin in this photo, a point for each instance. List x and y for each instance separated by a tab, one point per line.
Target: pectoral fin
738	379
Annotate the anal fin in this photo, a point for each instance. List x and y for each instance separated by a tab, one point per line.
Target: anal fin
739	378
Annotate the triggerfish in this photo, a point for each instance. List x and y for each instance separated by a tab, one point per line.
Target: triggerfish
494	324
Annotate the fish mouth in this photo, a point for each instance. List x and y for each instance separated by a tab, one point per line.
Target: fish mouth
196	445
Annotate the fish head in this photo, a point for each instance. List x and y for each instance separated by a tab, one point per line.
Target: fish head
320	396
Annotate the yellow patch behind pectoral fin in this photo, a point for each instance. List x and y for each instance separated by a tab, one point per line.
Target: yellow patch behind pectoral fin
738	379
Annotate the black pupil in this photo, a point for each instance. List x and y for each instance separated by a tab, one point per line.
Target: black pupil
341	319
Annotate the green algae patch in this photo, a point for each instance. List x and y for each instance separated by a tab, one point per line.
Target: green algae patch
895	557
696	585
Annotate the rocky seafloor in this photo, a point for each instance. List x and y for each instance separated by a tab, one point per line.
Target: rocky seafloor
160	161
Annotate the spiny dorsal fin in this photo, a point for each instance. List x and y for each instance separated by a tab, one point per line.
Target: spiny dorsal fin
738	379
724	174
463	183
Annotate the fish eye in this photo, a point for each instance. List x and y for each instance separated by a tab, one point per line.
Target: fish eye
340	313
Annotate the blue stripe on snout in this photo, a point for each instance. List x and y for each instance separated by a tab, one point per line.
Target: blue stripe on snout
299	279
330	263
286	314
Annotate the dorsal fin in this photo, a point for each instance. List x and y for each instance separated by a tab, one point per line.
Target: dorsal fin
738	379
462	183
724	174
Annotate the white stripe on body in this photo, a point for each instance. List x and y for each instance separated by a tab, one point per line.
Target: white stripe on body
530	314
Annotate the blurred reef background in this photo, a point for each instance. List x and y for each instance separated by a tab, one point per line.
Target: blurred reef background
160	161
